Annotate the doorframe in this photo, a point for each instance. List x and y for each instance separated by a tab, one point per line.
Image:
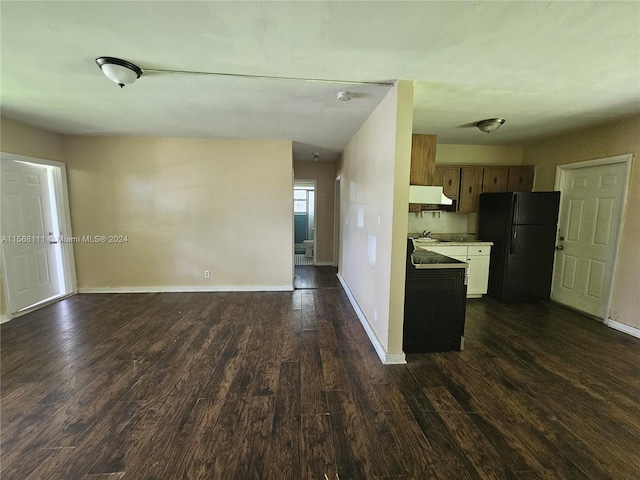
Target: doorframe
63	211
561	175
336	221
315	213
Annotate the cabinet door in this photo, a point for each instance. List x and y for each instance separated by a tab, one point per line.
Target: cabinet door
423	159
437	179
434	310
494	179
470	186
450	181
521	179
478	275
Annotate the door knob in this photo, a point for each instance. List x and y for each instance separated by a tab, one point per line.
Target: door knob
559	247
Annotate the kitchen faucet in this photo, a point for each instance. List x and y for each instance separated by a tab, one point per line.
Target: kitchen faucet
426	234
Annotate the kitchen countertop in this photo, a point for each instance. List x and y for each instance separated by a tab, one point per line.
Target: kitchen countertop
425	242
426	259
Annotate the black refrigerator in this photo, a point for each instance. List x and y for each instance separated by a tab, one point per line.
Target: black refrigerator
522	227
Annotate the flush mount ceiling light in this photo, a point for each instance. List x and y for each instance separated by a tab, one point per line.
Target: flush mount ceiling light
316	157
344	96
490	124
118	70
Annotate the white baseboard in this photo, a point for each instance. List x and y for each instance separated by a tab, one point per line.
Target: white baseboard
623	327
186	289
4	318
386	358
324	264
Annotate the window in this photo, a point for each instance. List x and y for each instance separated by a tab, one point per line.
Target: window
299	200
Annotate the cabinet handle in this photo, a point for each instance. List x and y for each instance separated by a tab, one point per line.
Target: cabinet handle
520	180
449	182
469	189
495	180
512	246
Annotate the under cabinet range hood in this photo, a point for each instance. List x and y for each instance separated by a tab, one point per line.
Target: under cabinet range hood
428	195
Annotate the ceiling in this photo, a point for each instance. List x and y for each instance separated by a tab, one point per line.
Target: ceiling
547	67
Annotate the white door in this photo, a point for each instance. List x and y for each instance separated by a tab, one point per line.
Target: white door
30	255
588	227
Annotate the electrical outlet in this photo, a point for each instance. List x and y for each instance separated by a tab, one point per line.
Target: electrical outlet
206	274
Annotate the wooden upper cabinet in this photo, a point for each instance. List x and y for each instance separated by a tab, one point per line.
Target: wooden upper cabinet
470	188
437	179
495	179
465	183
449	179
423	159
520	179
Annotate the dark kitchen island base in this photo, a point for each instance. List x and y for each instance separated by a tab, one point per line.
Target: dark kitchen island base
434	309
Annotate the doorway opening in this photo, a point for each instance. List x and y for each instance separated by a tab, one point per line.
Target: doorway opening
37	247
304	222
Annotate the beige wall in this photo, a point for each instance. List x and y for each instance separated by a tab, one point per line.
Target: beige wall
479	154
605	141
374	184
325	175
185	206
31	142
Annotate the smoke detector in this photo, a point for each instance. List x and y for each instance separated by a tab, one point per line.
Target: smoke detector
344	96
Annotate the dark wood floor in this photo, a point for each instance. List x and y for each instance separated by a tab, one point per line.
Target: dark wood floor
287	386
315	277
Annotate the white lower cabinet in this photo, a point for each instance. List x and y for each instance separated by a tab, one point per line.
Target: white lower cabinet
477	256
478	273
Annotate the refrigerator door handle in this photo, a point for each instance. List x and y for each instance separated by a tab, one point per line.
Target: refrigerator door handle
512	244
514	217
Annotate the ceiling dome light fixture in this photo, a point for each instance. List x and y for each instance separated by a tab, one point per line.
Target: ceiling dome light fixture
344	96
118	70
490	124
316	157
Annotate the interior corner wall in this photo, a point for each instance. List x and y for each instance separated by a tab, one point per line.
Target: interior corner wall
324	173
374	183
21	139
618	138
176	207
